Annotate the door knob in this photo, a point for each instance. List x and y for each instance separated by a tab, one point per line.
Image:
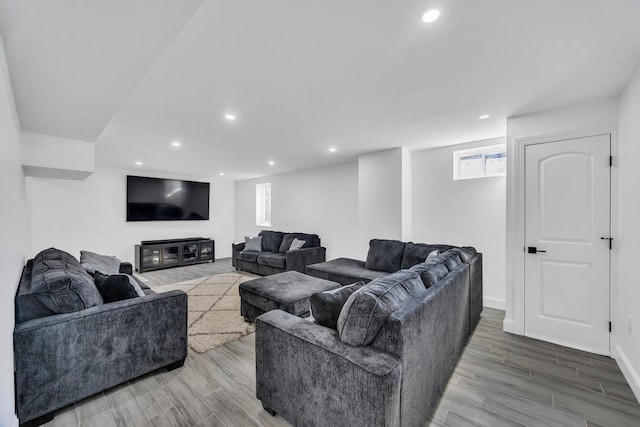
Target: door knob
533	250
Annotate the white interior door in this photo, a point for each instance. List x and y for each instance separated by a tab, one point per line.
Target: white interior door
567	213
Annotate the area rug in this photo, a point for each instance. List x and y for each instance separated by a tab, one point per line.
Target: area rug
213	309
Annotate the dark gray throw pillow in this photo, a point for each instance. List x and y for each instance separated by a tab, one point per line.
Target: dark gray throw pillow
384	255
326	306
115	287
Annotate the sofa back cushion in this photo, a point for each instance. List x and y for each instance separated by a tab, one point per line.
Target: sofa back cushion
368	308
310	241
326	306
60	283
416	253
465	252
450	258
430	272
271	240
385	255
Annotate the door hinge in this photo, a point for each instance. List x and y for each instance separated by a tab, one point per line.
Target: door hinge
609	327
610	161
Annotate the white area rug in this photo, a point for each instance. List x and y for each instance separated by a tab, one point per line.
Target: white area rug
214	309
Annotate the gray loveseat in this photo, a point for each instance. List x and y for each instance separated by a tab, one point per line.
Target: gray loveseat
69	344
275	256
313	375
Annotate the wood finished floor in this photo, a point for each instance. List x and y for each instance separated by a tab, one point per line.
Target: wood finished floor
182	274
500	380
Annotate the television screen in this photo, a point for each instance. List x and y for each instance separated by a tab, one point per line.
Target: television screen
156	199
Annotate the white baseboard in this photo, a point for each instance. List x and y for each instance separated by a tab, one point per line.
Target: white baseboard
491	302
628	371
507	326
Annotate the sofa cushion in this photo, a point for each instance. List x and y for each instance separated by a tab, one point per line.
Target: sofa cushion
252	244
416	253
115	287
450	259
344	271
466	253
105	264
430	272
297	244
250	256
368	308
271	240
273	260
61	283
385	255
326	306
311	240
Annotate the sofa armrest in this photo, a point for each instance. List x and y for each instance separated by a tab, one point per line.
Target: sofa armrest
305	373
299	259
126	268
64	358
236	248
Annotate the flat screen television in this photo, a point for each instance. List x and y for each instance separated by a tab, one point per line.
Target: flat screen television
157	199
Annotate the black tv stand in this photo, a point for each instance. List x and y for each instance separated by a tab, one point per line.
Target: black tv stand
167	253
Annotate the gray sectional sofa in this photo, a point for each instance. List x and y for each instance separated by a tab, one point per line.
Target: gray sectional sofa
70	344
388	256
275	255
397	341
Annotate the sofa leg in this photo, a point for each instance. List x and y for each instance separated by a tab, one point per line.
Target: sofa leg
40	420
269	410
176	365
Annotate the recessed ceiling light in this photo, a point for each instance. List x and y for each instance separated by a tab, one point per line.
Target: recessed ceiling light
483	116
271	163
221	173
176	143
332	150
139	163
430	16
230	117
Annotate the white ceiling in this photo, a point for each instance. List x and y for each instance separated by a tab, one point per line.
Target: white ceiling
302	75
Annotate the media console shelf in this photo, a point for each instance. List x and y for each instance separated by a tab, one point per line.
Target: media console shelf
157	254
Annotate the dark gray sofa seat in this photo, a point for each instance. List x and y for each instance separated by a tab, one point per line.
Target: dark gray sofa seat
63	358
275	256
394	381
344	271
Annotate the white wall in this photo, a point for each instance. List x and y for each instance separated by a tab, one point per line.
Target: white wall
323	201
380	192
628	234
91	215
593	117
465	212
13	229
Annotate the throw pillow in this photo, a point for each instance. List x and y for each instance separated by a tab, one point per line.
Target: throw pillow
326	306
384	255
432	255
430	272
296	244
368	308
105	264
252	244
115	287
451	259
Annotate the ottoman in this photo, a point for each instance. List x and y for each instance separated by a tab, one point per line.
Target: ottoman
289	291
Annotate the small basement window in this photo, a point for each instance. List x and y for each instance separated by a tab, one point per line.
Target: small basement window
263	204
480	162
